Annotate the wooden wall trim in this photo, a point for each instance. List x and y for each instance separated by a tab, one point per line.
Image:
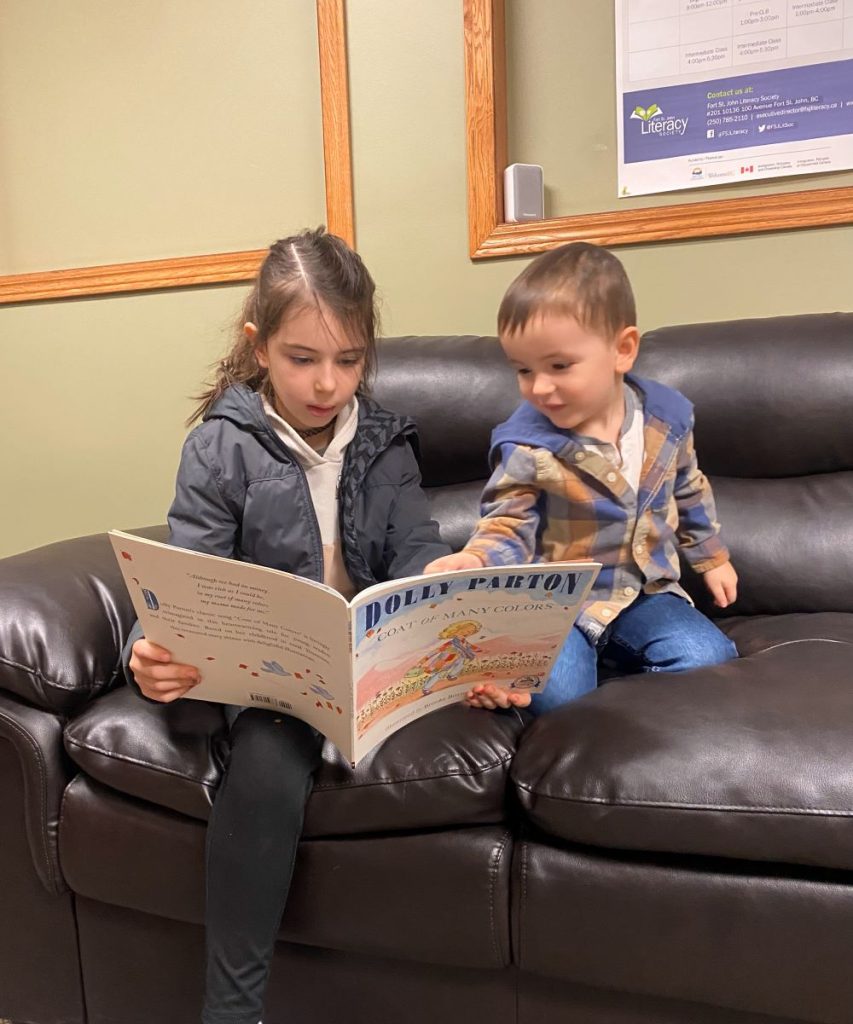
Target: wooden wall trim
485	117
334	94
150	275
223	268
490	235
745	215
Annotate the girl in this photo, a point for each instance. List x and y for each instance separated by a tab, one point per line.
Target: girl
293	467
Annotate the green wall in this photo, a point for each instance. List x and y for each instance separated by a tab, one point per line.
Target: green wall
95	390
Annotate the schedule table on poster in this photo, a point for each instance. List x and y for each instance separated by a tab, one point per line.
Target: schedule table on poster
678	37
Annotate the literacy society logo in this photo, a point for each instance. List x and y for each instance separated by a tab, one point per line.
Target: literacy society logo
653	121
647	113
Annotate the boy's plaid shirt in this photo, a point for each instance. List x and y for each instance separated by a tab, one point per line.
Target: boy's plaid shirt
551	500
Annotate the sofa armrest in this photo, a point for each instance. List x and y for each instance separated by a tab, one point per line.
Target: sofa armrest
36	738
64	616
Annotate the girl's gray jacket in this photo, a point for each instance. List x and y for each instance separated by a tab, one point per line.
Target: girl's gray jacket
241	494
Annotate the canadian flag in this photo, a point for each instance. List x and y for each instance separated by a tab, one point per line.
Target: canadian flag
747	170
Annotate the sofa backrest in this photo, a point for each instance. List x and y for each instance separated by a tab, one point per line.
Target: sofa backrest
457	389
774	415
774	432
773	396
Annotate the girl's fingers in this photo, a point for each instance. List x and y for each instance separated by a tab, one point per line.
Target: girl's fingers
164	692
188	674
180	674
147	649
166	685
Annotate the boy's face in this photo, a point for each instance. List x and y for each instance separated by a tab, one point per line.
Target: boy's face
572	374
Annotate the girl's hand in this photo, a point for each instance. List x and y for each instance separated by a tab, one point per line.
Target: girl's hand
461	560
488	695
722	582
157	675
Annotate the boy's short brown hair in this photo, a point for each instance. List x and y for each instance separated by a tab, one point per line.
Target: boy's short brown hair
579	280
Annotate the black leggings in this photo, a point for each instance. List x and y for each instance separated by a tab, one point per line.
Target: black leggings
252	837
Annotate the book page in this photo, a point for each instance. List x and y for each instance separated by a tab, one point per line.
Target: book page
259	637
421	643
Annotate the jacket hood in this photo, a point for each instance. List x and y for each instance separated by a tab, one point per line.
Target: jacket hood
243	407
530	427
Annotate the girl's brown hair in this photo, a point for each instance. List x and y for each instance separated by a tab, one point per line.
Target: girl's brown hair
310	270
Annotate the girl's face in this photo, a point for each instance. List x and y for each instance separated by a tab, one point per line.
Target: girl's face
314	367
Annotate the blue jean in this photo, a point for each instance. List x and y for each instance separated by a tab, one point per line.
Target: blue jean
657	633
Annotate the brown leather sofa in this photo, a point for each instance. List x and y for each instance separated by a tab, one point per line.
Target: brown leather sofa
668	850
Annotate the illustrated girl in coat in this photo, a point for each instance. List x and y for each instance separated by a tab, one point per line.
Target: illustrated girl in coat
448	660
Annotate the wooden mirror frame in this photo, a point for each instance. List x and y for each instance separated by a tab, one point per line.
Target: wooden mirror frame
489	235
220	268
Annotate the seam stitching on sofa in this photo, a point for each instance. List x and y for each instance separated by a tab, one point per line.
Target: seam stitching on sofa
746	808
138	760
63	800
523	908
40	675
42	774
804	640
327	787
494	867
421	778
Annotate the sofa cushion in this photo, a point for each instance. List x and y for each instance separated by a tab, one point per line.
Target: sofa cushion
710	932
754	633
438	897
169	754
750	759
449	768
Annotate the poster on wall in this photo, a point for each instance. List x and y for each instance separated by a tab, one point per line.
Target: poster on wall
711	92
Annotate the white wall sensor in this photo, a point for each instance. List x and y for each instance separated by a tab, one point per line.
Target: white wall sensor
524	192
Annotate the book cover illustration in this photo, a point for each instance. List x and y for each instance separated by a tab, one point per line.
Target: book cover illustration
429	644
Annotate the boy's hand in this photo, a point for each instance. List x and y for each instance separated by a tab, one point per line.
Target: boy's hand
722	582
157	675
461	560
488	695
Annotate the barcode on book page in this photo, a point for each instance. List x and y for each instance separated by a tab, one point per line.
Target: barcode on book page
270	702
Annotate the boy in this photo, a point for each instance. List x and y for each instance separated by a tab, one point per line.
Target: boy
598	464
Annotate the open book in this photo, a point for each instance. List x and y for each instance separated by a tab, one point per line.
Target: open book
359	670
